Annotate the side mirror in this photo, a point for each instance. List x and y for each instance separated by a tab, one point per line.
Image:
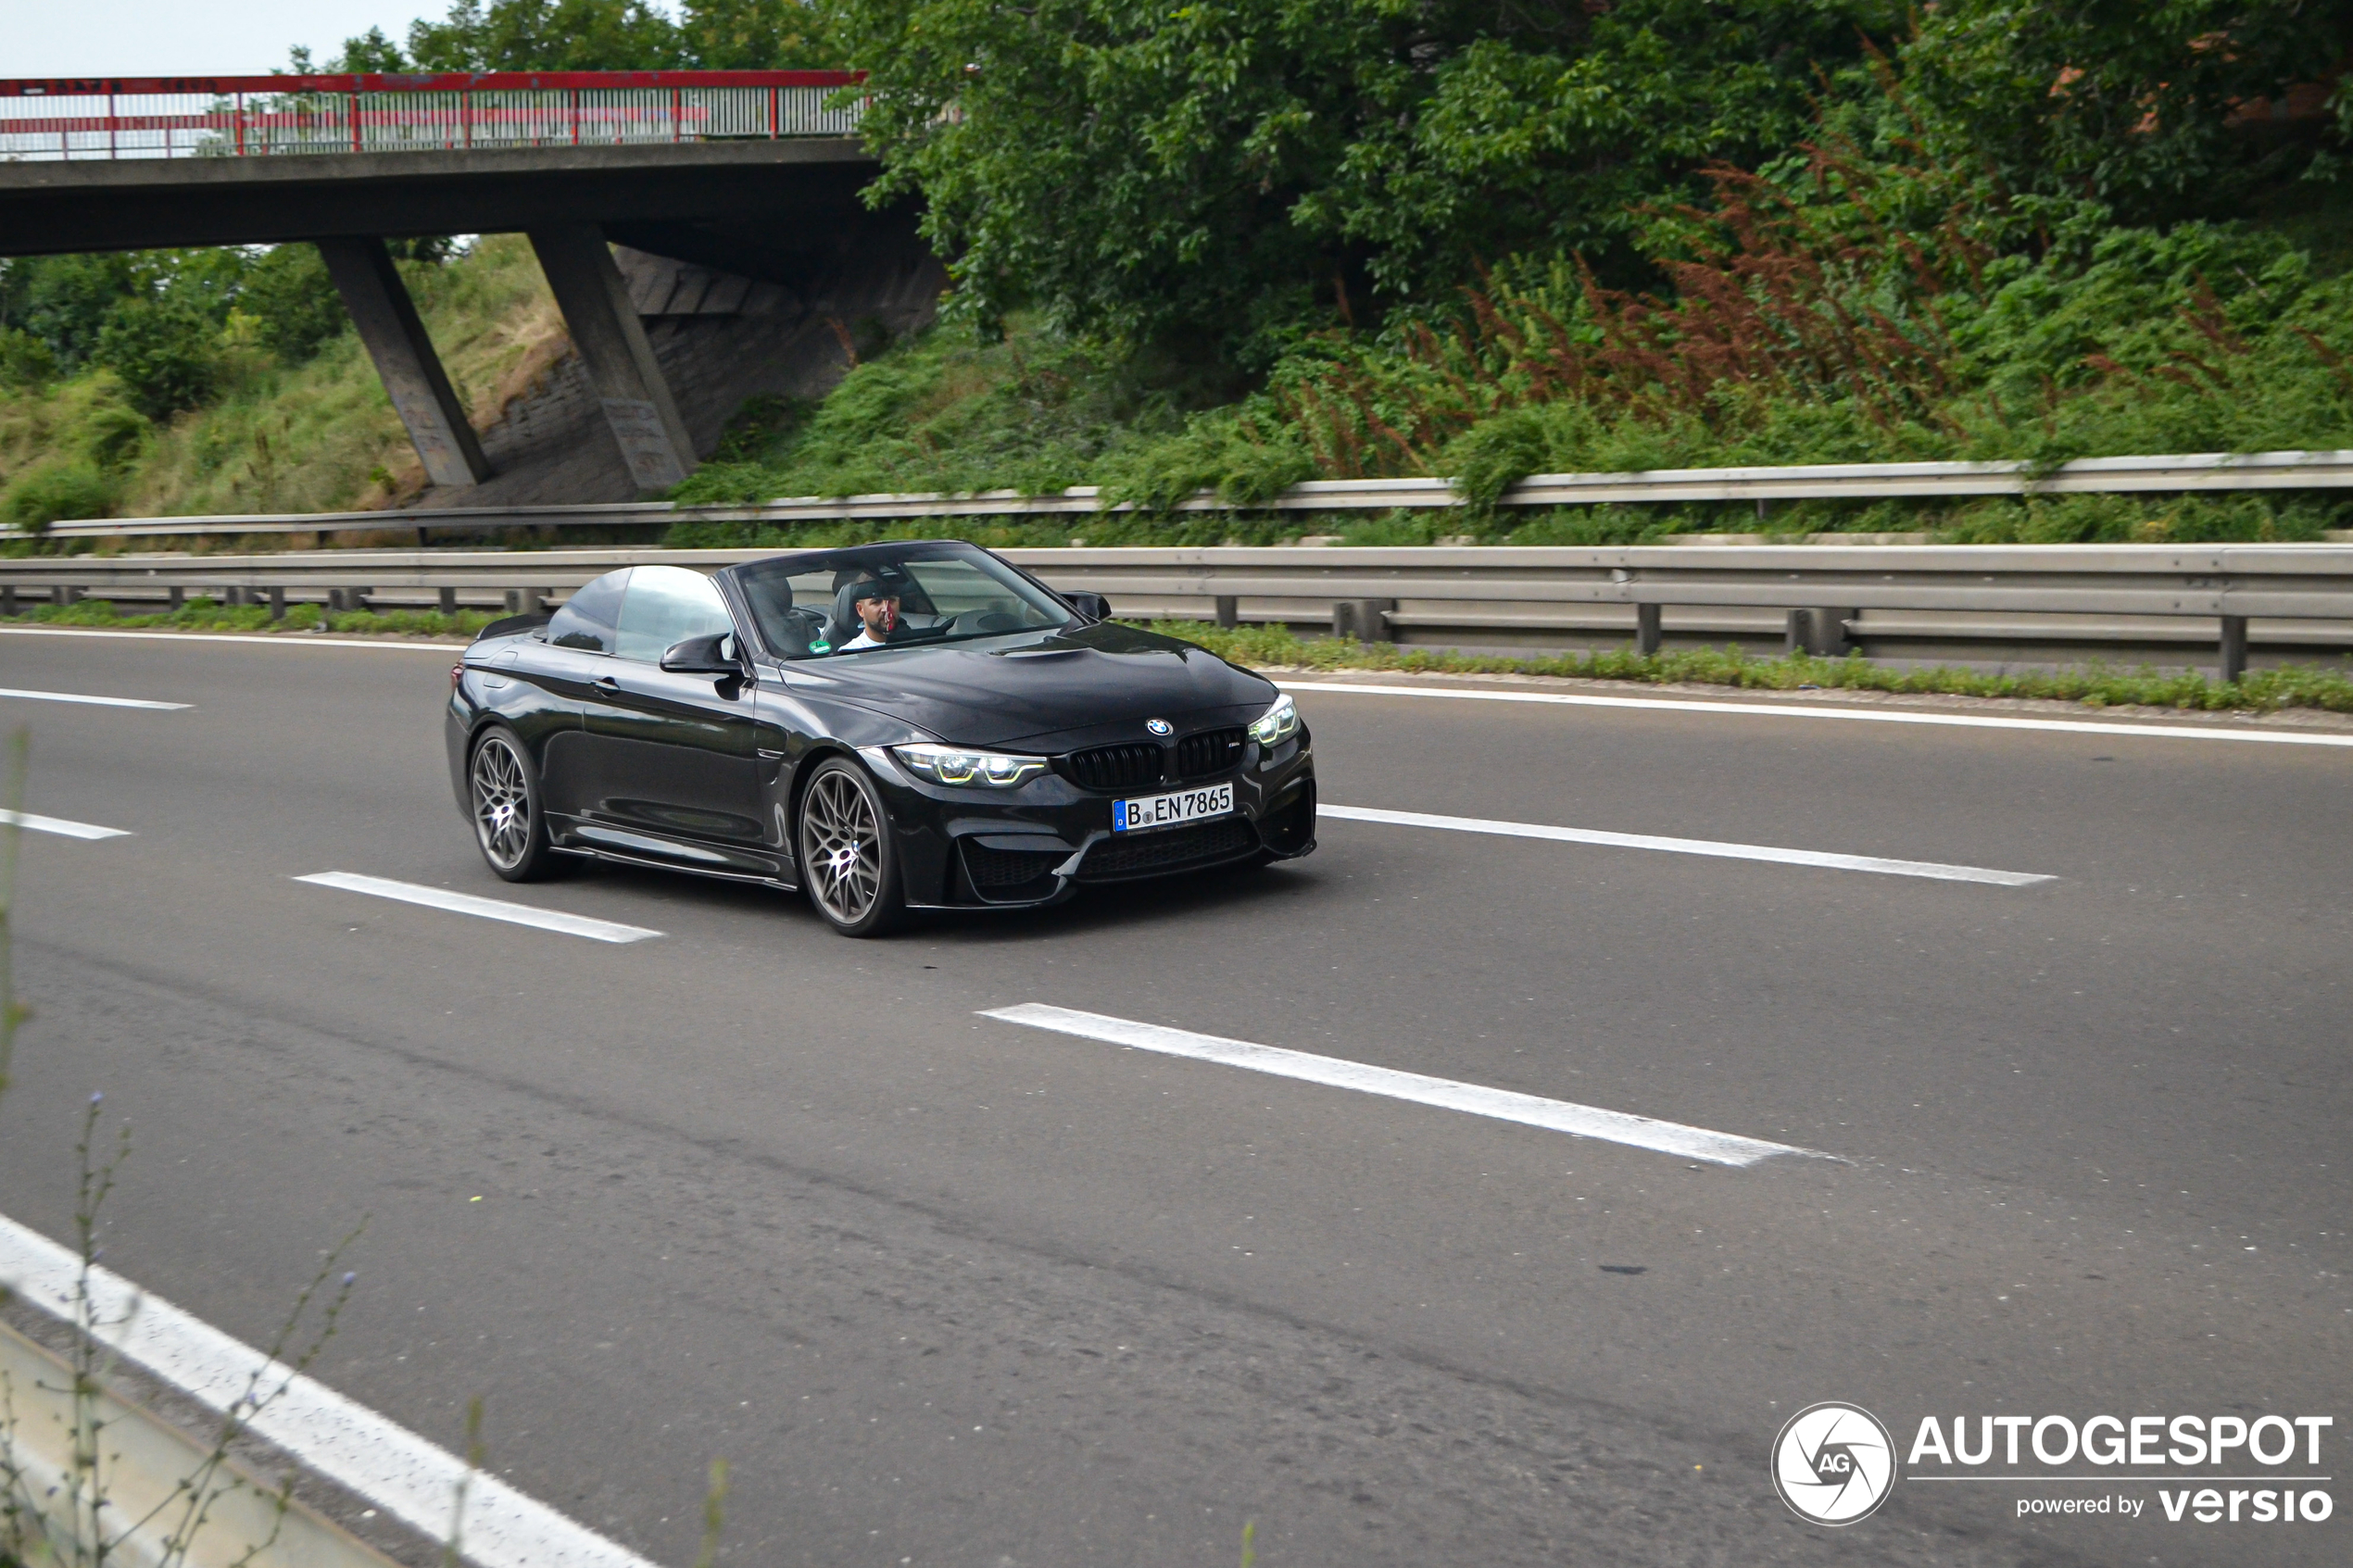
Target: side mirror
1094	607
703	656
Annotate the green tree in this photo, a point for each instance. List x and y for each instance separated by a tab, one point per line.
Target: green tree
1238	170
597	36
546	35
757	35
286	290
64	300
165	349
370	53
2129	103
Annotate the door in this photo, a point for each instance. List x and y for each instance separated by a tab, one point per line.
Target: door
673	766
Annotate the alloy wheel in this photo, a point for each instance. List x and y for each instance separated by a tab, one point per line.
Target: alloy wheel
502	803
839	846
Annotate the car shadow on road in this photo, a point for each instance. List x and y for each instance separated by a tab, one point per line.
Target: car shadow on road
1223	891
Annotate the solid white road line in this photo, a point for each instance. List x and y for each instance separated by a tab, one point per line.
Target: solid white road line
1801	710
1689	847
488	908
1504	1105
59	825
287	640
389	1465
95	701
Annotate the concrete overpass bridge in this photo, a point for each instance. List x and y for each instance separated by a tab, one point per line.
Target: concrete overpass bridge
745	174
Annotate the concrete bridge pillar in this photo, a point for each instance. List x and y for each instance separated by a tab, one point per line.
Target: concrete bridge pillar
614	347
386	318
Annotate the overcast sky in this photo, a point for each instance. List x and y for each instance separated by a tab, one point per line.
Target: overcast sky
47	38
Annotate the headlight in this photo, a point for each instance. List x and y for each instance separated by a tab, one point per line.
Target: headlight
954	765
1278	723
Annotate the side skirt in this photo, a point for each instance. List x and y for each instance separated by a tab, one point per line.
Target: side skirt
648	863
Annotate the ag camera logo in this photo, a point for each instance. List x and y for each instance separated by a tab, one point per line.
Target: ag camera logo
1833	1464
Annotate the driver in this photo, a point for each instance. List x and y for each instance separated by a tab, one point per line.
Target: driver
877	604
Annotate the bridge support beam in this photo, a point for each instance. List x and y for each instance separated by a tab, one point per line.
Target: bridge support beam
379	306
613	346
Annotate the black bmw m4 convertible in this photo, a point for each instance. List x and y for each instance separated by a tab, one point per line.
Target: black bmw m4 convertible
890	727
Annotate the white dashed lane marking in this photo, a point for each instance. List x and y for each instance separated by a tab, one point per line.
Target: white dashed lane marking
1502	1105
59	826
1688	847
485	909
85	698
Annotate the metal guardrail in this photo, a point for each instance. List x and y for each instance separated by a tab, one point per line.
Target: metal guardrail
1825	599
76	119
2202	472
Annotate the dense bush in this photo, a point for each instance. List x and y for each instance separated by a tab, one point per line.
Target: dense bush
287	292
163	321
166	351
54	493
25	361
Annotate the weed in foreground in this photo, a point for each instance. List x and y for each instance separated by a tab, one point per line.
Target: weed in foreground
70	1520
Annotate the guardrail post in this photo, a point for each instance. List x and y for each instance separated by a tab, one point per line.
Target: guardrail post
178	598
2234	647
8	599
1648	633
277	602
514	601
1365	620
1819	633
66	594
1228	611
448	597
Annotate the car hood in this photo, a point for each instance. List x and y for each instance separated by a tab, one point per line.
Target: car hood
1082	685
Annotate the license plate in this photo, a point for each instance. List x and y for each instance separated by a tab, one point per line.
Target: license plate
1168	810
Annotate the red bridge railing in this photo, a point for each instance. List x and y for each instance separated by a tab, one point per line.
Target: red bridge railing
273	116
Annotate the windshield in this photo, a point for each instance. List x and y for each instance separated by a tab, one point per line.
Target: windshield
842	603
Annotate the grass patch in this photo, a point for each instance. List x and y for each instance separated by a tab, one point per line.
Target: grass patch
276	436
2095	685
202	614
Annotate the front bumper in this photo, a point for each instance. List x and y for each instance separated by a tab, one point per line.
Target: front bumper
972	847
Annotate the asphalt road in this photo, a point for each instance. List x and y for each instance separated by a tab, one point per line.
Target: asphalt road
946	1290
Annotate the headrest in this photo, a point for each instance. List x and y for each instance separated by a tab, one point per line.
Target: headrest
771	593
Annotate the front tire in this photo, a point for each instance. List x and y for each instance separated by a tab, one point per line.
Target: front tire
849	861
510	827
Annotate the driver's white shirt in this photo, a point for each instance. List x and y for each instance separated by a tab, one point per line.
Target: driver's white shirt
865	639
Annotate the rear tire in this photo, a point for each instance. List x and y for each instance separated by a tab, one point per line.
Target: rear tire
510	828
849	861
